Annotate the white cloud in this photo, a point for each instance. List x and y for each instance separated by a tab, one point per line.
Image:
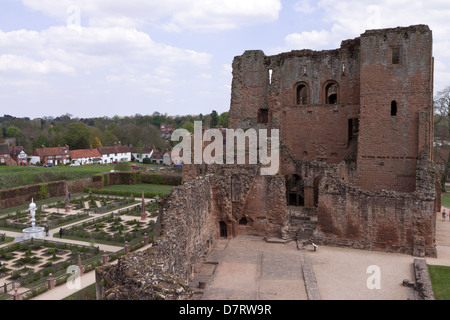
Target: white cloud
65	51
13	63
308	40
204	76
173	15
304	6
347	19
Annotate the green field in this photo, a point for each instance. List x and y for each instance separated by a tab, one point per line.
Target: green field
88	293
446	199
154	188
15	176
440	280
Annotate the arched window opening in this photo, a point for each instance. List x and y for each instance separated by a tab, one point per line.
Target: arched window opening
331	93
302	95
394	108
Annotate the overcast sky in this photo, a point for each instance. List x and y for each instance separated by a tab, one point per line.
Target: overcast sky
94	58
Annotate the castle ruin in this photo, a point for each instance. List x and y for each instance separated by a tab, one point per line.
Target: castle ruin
356	167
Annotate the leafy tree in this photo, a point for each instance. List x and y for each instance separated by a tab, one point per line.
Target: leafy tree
40	140
189	126
442	132
109	139
223	120
12	132
77	136
214	119
97	143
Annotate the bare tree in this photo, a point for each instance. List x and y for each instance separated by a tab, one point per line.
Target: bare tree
442	132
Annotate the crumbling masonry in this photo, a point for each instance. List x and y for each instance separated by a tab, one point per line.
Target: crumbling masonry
356	128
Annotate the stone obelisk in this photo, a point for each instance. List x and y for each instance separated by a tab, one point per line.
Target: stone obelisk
143	214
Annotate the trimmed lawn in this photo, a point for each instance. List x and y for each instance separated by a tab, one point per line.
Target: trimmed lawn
446	200
155	188
88	293
16	176
40	203
440	279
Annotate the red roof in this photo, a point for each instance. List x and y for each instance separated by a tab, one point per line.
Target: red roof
144	149
115	149
85	153
45	152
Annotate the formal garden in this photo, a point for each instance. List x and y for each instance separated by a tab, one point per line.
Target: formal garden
54	214
92	219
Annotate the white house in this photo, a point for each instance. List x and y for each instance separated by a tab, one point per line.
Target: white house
139	154
118	153
85	156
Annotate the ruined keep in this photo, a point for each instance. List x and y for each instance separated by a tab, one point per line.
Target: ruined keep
356	167
356	126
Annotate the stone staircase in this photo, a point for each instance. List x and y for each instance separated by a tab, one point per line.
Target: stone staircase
302	225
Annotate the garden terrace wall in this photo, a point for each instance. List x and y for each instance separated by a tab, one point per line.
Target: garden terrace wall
23	195
170	179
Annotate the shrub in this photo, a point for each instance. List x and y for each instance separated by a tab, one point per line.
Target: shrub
43	191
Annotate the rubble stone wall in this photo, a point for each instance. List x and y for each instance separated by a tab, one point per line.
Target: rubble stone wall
382	220
187	235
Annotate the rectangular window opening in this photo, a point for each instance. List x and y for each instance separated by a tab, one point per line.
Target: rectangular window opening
395	56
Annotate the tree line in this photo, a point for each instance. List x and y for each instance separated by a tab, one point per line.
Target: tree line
81	133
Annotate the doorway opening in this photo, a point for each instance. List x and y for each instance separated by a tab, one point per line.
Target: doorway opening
295	188
223	229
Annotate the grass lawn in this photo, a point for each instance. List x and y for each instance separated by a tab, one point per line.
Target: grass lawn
446	199
15	176
440	279
155	188
88	293
40	203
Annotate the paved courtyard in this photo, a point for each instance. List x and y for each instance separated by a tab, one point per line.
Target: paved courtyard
249	268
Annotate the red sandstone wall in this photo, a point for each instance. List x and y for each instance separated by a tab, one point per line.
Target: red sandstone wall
318	132
379	220
249	86
312	130
389	146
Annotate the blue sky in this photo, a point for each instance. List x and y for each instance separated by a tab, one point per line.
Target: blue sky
93	58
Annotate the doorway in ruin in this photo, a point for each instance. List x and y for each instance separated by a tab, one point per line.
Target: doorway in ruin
295	188
222	229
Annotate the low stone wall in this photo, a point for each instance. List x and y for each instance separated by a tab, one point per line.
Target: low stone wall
423	281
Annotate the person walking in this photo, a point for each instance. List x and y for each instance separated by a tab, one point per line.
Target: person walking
443	215
60	233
